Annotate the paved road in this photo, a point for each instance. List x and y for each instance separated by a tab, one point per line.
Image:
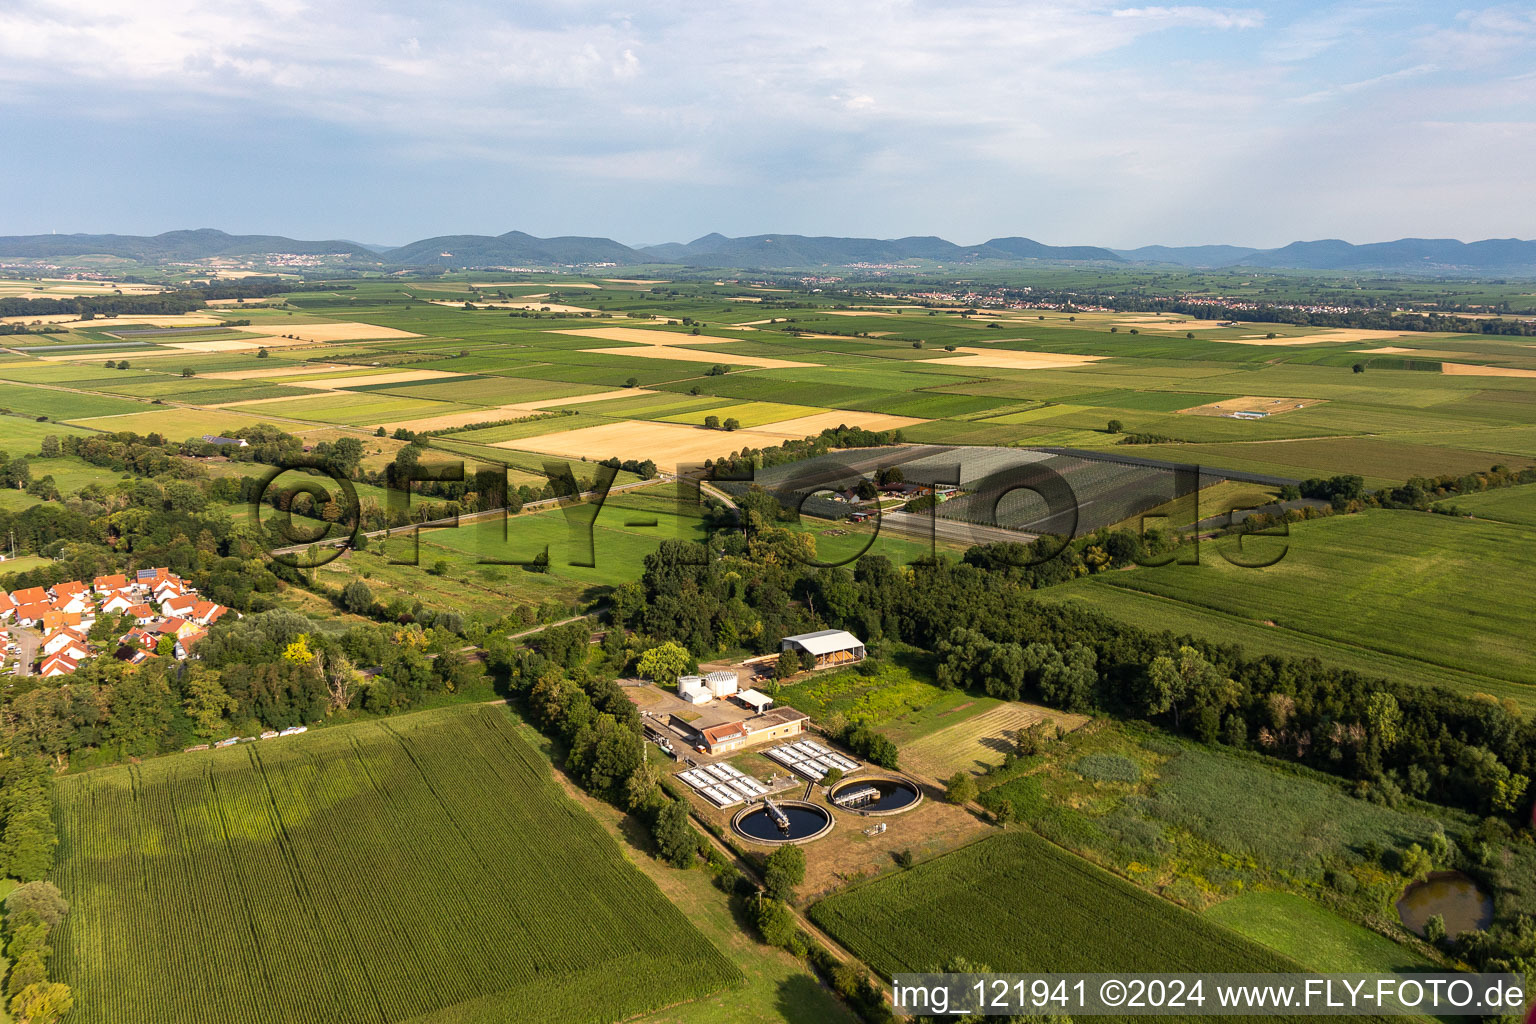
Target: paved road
28	641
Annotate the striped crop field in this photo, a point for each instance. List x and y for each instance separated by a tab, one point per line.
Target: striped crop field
1014	902
426	869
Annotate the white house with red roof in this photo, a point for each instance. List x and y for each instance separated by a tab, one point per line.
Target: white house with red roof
67	641
58	665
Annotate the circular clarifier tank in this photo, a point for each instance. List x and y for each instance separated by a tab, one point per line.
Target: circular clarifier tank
881	794
785	821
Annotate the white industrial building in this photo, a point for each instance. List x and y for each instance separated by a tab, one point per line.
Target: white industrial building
703	689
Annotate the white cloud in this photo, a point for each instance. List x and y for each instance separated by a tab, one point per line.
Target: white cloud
1201	17
1130	115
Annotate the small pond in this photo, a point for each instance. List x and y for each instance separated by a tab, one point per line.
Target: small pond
1453	896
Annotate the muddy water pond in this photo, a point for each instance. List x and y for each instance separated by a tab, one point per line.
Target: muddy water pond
1453	896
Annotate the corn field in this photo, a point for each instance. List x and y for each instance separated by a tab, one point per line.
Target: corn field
424	869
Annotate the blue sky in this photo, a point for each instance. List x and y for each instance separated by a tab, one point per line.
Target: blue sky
1070	121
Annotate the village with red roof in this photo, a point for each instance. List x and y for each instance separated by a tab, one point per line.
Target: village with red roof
46	629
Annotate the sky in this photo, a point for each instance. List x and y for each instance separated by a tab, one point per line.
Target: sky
1067	121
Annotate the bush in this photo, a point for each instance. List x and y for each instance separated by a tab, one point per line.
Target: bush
961	788
774	921
783	870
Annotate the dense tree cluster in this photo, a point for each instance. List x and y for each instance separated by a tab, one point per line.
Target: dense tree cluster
599	727
27	833
32	912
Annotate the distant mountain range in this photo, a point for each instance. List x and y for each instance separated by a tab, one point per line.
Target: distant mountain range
1433	256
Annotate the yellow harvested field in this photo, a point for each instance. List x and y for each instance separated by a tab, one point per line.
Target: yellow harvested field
1251	403
66	288
1007	359
638	336
398	377
185	320
977	743
671	444
216	345
692	355
850	312
1157	322
1384	350
510	412
330	330
632	280
744	298
596	396
815	423
1470	370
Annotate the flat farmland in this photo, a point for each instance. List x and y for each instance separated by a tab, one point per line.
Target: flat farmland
181	423
56	404
979	742
509	900
1014	902
748	414
24	436
1516	505
1450	594
1381	461
364	410
1155	612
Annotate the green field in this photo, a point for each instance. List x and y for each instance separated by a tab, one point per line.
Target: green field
1515	505
426	869
1313	937
181	423
1447	595
1015	902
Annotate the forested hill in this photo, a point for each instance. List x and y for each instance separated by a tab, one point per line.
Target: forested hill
1442	257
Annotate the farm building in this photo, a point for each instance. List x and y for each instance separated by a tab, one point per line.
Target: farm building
828	646
758	702
238	442
765	728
